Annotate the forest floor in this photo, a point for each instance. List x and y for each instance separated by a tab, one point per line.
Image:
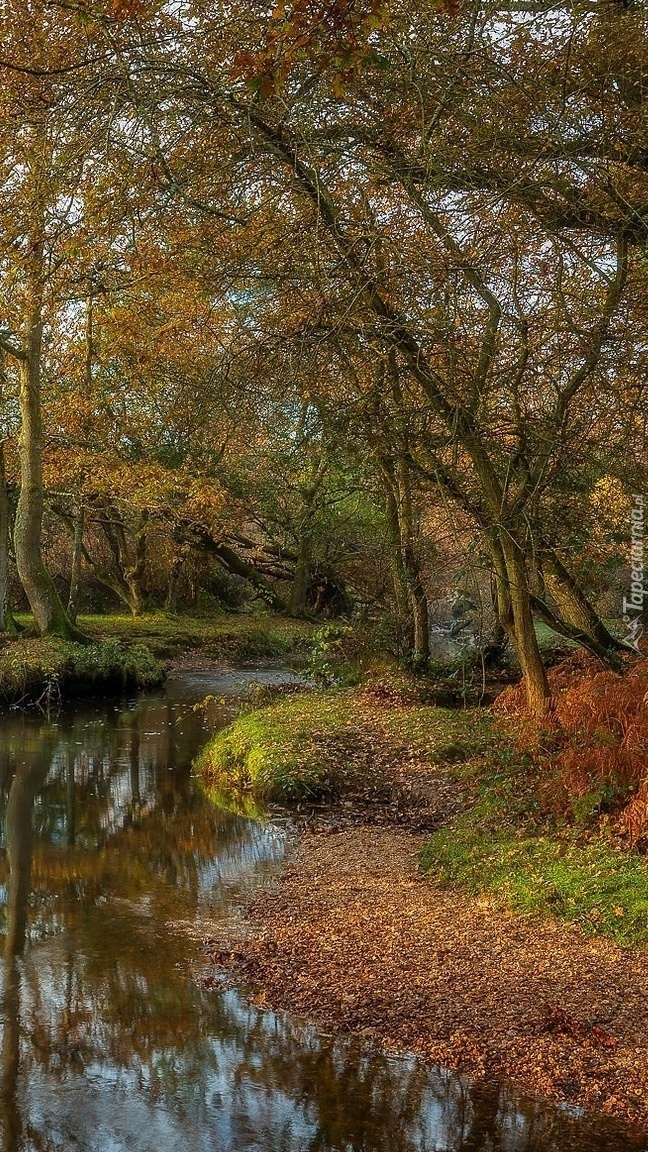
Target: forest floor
433	905
356	939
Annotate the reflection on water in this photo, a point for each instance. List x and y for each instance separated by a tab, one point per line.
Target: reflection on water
107	1044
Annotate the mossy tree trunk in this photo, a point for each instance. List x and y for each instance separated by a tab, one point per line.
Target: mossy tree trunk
514	607
405	631
308	493
409	589
77	556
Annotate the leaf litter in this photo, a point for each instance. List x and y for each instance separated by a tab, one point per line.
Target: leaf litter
353	937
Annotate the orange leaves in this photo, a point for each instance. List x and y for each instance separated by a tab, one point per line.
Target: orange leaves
329	34
555	1019
130	9
350	938
602	732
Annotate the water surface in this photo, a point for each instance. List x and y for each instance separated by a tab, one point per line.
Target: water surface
113	865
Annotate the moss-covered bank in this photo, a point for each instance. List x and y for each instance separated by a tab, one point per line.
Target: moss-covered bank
47	670
319	746
127	654
492	832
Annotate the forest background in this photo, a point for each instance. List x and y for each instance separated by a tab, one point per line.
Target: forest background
337	307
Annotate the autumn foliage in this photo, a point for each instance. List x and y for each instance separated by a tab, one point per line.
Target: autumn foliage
600	724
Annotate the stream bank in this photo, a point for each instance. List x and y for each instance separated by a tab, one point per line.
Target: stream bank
128	653
354	938
115	1031
422	910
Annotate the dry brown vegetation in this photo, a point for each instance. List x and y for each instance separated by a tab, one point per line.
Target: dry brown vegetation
354	938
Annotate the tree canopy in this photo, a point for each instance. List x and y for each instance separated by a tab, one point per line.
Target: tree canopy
333	301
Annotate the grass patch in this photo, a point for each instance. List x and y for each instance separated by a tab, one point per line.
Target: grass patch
318	746
507	847
52	668
225	637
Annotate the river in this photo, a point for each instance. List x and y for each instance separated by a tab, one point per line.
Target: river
114	866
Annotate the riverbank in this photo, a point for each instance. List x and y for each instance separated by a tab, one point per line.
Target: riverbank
368	747
439	900
502	820
354	938
43	671
188	641
128	654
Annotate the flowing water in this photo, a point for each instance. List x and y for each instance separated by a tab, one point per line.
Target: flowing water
114	863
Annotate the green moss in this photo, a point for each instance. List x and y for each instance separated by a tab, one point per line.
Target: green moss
51	668
507	847
322	745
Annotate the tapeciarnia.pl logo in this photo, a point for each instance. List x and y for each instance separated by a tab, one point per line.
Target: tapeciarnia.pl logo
633	604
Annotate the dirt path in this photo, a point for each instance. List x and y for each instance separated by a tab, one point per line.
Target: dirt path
354	938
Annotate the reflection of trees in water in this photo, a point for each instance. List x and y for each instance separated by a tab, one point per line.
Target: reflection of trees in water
104	986
18	836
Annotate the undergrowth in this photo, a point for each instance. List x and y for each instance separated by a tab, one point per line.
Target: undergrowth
512	846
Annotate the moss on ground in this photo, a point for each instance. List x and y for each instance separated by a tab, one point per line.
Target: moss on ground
224	637
47	669
506	846
322	745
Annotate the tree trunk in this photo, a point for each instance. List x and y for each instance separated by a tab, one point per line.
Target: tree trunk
233	563
44	601
77	555
421	650
405	631
406	564
174	584
412	568
516	616
7	622
573	604
302	576
135	575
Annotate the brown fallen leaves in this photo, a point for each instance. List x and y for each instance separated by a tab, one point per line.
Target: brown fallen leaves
353	938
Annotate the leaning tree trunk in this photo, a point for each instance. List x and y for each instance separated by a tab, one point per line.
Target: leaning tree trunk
44	601
574	605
